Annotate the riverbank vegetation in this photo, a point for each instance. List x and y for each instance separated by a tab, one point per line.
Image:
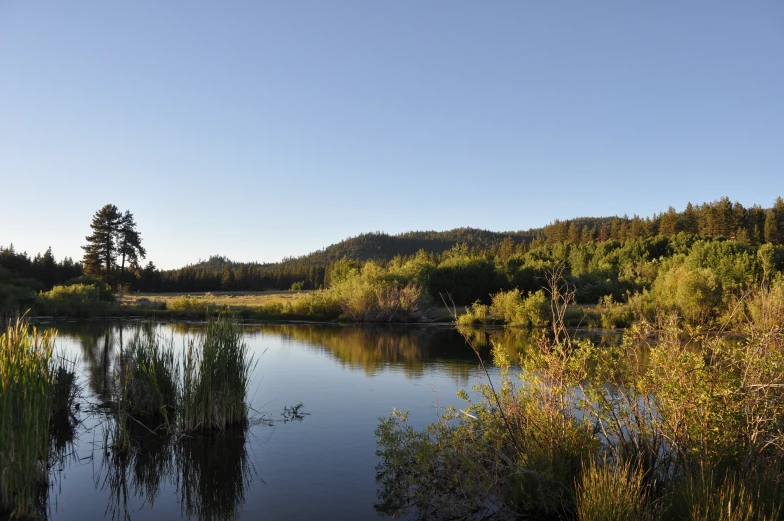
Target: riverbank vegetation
671	424
153	399
697	263
37	396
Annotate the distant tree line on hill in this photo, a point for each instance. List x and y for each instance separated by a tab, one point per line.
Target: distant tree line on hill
605	257
719	219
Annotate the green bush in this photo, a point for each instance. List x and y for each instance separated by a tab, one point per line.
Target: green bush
477	314
76	300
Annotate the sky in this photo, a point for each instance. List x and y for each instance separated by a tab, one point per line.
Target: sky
262	130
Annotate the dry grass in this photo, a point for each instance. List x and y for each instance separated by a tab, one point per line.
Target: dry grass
223	298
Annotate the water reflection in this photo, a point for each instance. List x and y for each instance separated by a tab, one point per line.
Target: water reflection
347	376
210	473
215	474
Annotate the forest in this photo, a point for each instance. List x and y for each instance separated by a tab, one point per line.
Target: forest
694	261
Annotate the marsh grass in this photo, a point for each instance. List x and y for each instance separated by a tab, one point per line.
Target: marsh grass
610	491
149	375
712	495
34	389
216	376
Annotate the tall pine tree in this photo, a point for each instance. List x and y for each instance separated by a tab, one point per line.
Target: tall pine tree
114	234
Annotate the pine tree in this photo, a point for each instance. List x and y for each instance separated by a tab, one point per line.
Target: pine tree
668	225
778	216
771	228
100	252
49	269
114	234
129	244
690	220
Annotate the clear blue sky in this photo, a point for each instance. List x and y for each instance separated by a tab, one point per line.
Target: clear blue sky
261	130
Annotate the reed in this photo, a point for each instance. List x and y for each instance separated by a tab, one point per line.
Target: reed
216	376
29	380
149	376
610	491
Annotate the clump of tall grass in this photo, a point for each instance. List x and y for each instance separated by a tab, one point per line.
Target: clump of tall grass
149	377
216	376
34	388
708	496
610	491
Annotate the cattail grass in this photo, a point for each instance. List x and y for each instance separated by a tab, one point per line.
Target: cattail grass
216	376
33	390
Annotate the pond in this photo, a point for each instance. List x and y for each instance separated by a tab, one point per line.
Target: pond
321	464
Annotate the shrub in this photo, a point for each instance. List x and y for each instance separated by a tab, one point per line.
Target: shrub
477	314
78	300
371	296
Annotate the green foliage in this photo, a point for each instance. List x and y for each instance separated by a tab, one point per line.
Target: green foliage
216	376
77	300
34	389
477	314
298	286
372	295
707	496
149	379
114	235
687	426
610	491
104	291
15	297
532	311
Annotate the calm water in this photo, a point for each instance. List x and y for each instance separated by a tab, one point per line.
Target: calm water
319	467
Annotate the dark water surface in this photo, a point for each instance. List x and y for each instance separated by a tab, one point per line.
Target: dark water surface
319	467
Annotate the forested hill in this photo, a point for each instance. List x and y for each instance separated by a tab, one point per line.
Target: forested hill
504	252
720	219
381	246
384	247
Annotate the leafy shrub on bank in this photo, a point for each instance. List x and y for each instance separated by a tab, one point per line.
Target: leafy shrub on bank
691	430
371	296
76	300
516	310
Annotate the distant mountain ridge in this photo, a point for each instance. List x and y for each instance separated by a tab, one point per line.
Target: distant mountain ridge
383	246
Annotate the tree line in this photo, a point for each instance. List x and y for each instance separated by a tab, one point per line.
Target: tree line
607	256
720	219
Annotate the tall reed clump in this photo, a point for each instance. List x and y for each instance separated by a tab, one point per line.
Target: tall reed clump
149	377
610	491
33	389
216	376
